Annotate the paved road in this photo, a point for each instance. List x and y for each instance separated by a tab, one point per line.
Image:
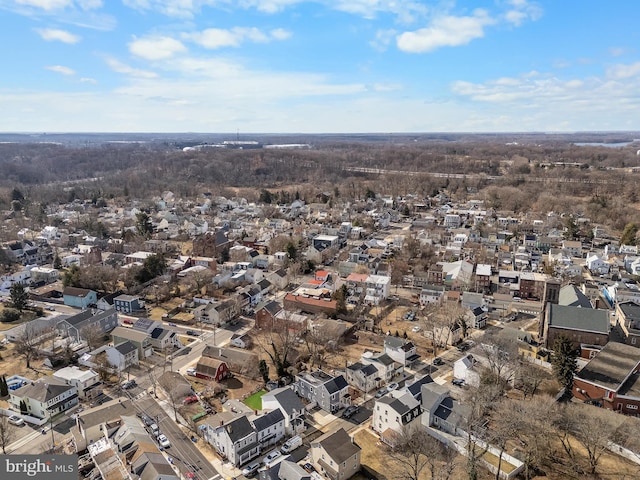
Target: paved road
184	453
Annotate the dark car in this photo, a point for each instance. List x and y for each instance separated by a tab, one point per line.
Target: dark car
193	333
129	384
438	361
308	468
463	347
350	411
458	382
146	419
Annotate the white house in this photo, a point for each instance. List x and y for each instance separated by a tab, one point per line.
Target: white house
466	369
595	264
86	382
290	405
237	440
391	415
44	398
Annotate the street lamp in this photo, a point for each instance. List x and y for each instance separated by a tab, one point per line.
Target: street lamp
53	441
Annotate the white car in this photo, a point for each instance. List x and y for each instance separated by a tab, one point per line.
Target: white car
163	441
271	457
250	470
392	386
191	371
16	420
415	329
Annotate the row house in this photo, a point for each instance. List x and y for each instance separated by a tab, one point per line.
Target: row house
45	398
392	415
328	392
292	408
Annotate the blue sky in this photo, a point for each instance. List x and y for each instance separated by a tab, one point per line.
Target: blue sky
320	66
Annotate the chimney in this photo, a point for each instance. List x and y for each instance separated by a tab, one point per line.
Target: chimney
221	423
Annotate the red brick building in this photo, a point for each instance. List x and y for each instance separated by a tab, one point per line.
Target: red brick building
611	379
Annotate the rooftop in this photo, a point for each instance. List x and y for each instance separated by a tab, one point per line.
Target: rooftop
612	366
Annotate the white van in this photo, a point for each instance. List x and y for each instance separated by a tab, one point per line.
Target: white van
155	431
291	444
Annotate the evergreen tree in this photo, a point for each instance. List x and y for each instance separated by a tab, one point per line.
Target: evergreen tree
564	362
19	297
23	407
264	370
4	387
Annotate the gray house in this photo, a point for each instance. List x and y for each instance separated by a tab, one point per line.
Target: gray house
87	322
236	441
290	405
364	377
330	393
269	428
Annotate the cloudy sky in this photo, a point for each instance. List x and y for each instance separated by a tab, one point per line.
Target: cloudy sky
319	65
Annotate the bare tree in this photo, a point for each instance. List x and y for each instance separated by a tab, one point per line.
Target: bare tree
27	343
416	452
174	389
321	341
530	377
502	358
7	433
279	343
93	335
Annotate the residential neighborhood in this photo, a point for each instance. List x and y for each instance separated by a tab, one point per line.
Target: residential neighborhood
225	333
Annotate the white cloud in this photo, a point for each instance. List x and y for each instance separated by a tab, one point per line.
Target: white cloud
120	67
46	4
522	10
214	38
61	69
617	51
623	71
88	80
406	11
156	48
52	34
447	31
383	39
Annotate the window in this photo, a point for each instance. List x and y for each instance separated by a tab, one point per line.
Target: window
631	406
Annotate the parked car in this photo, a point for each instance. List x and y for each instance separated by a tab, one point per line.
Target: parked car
191	371
129	384
193	333
16	420
350	411
190	399
146	419
381	392
51	309
271	457
163	441
250	470
463	347
438	361
392	386
416	329
291	444
309	468
458	382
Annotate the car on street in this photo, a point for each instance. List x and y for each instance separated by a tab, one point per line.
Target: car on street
163	441
146	419
309	468
271	457
350	411
438	361
129	384
458	382
51	309
193	333
191	371
250	470
16	420
463	347
416	329
392	386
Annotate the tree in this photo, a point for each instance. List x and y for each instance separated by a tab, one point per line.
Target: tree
564	363
340	296
19	297
144	225
4	387
93	335
9	315
264	370
292	252
629	234
71	277
417	452
27	343
7	433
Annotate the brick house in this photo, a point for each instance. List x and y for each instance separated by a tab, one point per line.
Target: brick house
581	325
628	322
611	379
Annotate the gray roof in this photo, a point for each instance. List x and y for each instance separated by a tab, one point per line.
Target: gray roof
287	399
291	471
43	389
239	428
577	318
107	411
571	296
338	445
401	405
394	342
415	389
125	347
268	419
143	324
431	392
612	366
91	314
630	310
336	384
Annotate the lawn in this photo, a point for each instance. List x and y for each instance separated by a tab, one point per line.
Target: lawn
255	400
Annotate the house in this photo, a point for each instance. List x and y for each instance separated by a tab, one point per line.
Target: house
162	338
477	318
328	392
212	369
106	301
483	278
87	382
596	265
311	301
392	414
123	355
240	341
364	377
415	388
146	325
266	314
290	405
611	379
400	350
90	422
140	339
79	297
432	295
44	399
466	368
89	322
336	455
441	411
236	441
386	366
237	361
269	428
583	326
128	304
628	322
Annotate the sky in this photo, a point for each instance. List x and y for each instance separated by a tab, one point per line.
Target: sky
319	66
